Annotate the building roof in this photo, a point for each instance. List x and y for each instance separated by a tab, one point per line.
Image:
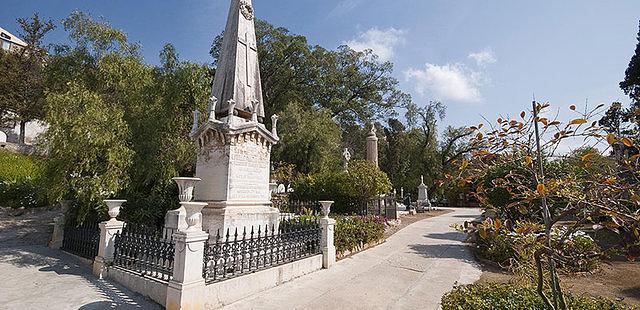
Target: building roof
12	38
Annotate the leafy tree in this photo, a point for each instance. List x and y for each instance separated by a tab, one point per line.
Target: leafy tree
22	80
135	119
310	139
355	86
351	189
88	152
88	137
535	183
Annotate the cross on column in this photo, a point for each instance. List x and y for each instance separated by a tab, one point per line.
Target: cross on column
250	49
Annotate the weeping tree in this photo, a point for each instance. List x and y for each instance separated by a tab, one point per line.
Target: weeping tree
526	147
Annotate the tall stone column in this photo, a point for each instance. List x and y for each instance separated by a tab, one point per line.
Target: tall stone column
186	288
326	240
108	232
372	145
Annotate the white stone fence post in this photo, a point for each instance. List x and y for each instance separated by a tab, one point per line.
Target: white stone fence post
326	240
186	289
108	231
58	227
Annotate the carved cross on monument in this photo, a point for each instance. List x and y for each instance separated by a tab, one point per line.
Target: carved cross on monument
251	51
238	73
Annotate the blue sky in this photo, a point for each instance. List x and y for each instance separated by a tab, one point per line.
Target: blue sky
478	57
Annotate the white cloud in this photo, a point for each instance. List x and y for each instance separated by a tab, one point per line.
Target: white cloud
447	82
484	57
382	41
344	7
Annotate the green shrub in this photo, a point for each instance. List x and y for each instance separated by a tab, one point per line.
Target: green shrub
354	231
496	248
21	181
507	297
350	189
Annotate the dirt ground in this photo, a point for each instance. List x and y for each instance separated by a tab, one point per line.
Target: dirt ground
26	227
410	219
616	279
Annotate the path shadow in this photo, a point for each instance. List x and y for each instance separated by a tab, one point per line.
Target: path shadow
632	292
459	252
48	260
454	236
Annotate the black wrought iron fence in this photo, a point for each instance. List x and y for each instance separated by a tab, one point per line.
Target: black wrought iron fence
293	209
82	240
237	253
145	251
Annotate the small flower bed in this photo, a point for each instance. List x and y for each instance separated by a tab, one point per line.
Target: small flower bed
354	232
513	297
507	244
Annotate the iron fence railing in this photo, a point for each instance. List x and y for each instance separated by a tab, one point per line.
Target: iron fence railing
292	209
82	240
240	252
383	206
145	251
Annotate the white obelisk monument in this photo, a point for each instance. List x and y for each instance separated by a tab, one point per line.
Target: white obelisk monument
234	147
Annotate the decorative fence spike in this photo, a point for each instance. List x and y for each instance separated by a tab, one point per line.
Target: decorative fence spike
295	240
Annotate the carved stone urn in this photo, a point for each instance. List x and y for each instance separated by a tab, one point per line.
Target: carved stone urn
194	214
326	208
185	188
114	208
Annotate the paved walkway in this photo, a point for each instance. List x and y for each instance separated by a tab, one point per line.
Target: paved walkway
35	277
412	270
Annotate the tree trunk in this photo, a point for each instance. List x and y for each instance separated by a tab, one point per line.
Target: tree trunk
21	138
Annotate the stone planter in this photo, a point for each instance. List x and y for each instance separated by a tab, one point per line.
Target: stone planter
194	214
114	208
326	208
185	188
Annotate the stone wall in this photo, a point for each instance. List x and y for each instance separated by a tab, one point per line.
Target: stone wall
220	294
145	286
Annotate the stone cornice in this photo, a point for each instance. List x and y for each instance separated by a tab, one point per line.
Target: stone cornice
227	133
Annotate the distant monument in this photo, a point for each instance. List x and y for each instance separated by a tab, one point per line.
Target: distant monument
234	147
423	195
346	158
372	145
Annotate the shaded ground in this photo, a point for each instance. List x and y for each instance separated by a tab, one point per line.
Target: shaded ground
410	219
615	280
36	277
26	227
411	270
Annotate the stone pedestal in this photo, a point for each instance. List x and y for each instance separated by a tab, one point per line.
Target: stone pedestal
326	242
186	289
58	233
234	165
108	231
174	221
